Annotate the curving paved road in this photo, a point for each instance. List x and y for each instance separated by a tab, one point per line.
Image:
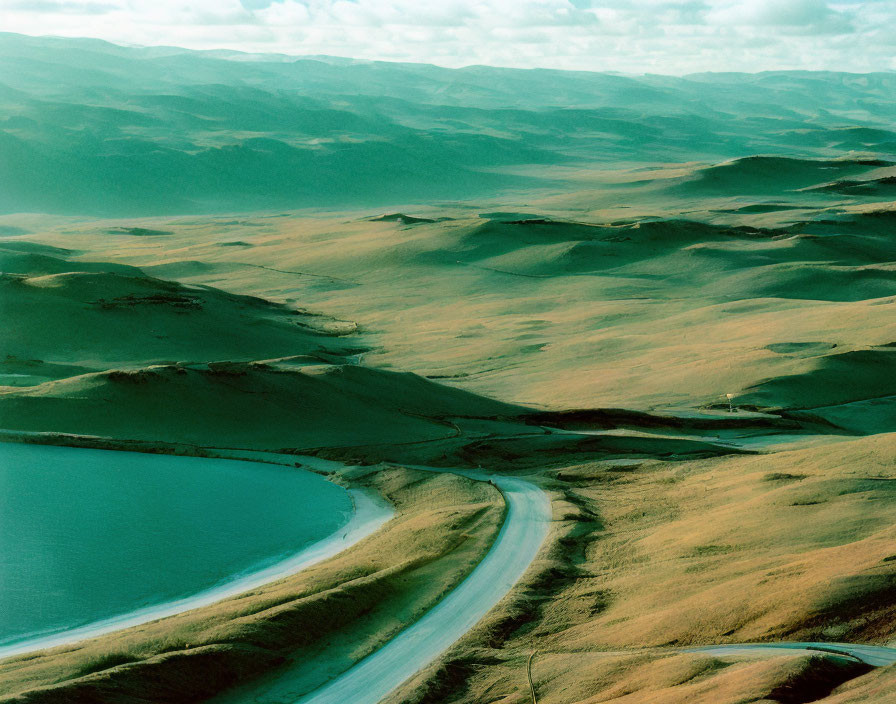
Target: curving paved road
874	655
371	679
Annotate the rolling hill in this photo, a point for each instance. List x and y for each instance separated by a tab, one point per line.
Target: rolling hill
93	128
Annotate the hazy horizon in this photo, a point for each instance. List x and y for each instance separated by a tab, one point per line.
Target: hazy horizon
362	60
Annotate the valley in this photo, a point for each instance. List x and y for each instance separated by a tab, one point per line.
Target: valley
663	313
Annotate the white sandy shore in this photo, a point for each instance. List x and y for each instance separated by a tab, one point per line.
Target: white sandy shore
371	679
370	513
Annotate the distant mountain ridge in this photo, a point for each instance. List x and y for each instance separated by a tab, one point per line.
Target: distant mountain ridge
89	127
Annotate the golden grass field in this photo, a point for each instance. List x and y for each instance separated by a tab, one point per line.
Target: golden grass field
651	558
459	336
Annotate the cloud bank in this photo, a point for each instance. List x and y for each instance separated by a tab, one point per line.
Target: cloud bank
632	36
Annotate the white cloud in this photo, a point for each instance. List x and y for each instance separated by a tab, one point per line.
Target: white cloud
668	36
791	17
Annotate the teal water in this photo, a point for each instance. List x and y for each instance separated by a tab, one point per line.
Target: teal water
87	535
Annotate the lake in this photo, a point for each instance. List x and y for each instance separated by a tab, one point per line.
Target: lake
88	535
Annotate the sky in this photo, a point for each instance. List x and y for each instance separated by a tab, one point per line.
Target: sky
630	36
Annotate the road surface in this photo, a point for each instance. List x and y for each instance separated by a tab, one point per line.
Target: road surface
371	679
874	655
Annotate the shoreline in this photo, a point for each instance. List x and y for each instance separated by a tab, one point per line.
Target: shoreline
370	513
345	606
421	642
